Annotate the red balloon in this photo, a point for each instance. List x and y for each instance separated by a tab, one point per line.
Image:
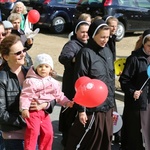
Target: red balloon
91	94
81	81
33	16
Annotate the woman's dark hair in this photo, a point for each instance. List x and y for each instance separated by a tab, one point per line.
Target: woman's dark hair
7	43
1	23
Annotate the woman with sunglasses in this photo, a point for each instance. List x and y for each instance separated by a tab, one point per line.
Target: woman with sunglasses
12	75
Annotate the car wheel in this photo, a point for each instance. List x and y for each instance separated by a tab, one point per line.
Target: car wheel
120	31
58	25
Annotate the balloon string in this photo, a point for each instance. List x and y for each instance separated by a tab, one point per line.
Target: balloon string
64	110
88	128
144	84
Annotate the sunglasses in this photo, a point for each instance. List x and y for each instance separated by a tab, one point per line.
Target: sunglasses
3	34
19	52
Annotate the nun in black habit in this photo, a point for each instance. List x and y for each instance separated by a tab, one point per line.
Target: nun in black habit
93	127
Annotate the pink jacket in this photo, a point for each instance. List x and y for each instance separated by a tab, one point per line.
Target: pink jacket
40	89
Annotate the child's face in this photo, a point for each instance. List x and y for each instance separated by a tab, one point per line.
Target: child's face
44	70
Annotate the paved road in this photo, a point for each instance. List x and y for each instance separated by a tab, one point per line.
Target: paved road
57	135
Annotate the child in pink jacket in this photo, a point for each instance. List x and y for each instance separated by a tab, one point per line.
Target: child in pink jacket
40	86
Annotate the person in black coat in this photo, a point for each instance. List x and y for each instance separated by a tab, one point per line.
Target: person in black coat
135	131
67	58
93	127
113	24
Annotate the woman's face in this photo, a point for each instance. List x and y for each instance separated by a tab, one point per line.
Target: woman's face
113	27
88	19
2	33
19	9
16	24
147	47
8	31
102	37
82	33
16	56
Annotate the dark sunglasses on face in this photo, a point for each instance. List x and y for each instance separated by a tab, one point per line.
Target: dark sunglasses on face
8	29
19	52
3	34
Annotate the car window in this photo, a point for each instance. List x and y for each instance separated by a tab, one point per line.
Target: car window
95	1
72	1
30	1
90	1
26	1
143	3
60	1
123	2
131	3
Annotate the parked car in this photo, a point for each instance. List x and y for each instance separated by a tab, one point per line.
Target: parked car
133	15
57	15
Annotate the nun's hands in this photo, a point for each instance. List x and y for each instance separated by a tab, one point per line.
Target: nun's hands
83	118
137	94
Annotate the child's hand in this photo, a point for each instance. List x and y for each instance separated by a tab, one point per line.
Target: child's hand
70	104
25	113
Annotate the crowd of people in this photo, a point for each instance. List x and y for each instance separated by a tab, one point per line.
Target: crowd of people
28	89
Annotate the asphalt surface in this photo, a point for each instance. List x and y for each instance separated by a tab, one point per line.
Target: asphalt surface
57	135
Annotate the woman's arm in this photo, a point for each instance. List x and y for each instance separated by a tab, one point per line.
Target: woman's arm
68	53
9	114
35	106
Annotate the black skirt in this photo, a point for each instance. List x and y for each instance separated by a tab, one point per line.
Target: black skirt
98	137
